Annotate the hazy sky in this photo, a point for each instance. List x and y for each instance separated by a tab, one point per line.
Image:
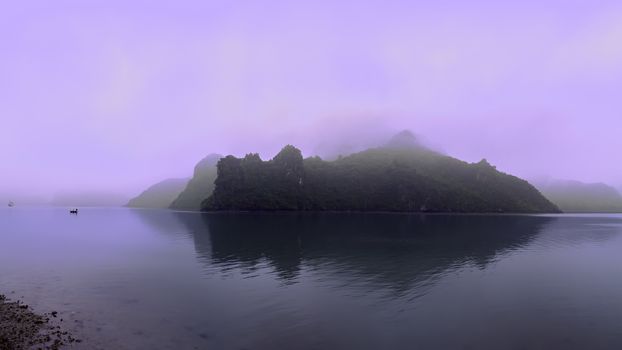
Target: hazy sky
118	94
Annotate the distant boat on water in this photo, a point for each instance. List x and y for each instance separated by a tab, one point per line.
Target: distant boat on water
11	204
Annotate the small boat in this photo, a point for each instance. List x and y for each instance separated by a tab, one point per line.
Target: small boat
11	204
73	211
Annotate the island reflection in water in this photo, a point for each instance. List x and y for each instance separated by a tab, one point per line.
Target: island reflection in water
162	279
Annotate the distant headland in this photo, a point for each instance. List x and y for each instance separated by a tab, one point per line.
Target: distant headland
403	175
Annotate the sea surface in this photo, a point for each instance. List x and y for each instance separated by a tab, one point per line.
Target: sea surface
157	279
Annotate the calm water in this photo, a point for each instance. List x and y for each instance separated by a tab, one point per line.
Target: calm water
156	279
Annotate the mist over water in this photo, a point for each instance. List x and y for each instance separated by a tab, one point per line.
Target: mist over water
352	174
108	96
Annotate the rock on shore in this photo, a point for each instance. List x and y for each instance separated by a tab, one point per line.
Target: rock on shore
21	328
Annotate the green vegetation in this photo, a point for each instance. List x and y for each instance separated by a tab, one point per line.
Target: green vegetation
578	197
200	186
160	195
401	176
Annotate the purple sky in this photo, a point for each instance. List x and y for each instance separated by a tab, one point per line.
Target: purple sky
118	94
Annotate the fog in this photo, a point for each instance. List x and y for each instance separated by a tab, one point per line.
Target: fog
113	96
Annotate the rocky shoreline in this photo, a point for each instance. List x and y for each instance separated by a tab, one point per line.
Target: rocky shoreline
21	328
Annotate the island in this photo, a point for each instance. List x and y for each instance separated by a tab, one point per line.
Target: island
160	195
200	185
579	197
401	176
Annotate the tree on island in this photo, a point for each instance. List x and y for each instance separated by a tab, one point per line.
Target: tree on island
403	175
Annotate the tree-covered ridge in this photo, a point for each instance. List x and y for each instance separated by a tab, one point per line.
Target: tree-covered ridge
401	176
200	186
250	183
159	195
578	197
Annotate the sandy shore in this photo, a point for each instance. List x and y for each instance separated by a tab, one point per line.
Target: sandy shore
21	328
